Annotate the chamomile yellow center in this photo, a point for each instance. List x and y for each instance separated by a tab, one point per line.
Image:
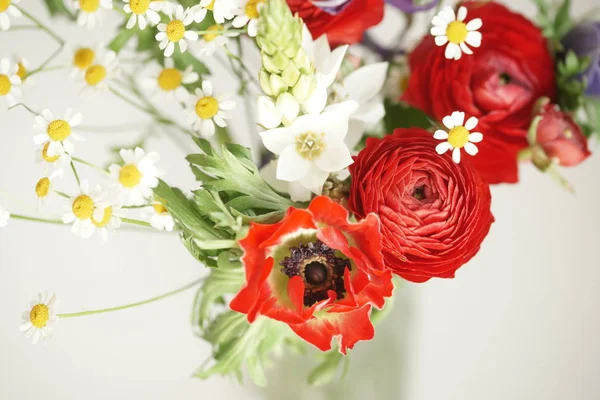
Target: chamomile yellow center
59	130
89	6
251	8
139	6
458	137
108	212
159	208
4	5
39	315
22	71
130	176
209	37
95	74
175	30
211	6
207	107
42	187
83	58
45	155
169	79
310	144
456	32
5	85
83	206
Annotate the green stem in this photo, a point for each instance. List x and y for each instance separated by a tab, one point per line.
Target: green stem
136	222
62	194
27	218
75	173
89	164
132	305
134	207
129	101
25	107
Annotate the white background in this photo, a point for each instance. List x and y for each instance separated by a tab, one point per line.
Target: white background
520	321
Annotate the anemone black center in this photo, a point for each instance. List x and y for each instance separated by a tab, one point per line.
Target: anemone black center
315	273
320	269
419	192
505	78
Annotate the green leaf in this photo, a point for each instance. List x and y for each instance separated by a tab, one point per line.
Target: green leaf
326	371
121	39
58	7
398	115
562	20
183	60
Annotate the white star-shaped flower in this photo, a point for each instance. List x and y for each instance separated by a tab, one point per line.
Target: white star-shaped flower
450	28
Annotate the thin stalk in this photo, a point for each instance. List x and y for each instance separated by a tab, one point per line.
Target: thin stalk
132	305
89	164
25	107
62	194
34	219
129	101
136	222
75	173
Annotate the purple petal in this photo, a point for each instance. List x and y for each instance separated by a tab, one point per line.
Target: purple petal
408	6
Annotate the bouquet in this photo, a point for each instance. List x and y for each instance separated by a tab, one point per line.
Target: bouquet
370	166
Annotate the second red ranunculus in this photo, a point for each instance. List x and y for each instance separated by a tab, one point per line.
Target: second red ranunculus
499	84
316	272
434	213
344	23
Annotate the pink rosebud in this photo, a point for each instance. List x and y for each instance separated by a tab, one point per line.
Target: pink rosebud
560	137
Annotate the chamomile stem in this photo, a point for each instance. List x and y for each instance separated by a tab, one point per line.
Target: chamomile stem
34	219
136	222
75	173
62	194
132	305
129	101
25	107
89	164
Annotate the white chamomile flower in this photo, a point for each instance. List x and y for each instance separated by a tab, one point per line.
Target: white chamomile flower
90	11
248	14
222	10
159	217
142	11
100	72
57	132
312	147
44	186
205	110
85	208
168	81
4	217
175	32
210	41
56	161
137	176
110	220
23	69
450	28
7	10
459	136
81	58
9	84
39	319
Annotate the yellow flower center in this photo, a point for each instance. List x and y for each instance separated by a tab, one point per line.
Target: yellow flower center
108	211
211	6
169	79
130	176
95	74
59	130
139	6
89	6
209	37
83	58
175	30
456	32
39	315
83	206
45	155
207	107
22	71
251	8
42	187
5	3
458	137
310	144
5	85
159	208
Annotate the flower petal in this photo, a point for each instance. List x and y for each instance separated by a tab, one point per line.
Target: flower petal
440	135
443	147
471	149
475	137
291	165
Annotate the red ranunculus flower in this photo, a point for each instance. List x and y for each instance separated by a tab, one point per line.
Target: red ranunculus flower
343	23
316	272
434	213
499	84
560	137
